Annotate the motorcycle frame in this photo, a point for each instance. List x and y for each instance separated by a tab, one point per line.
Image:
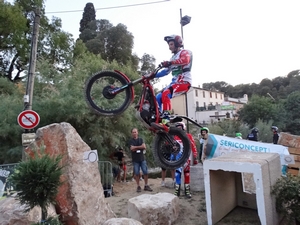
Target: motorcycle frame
147	88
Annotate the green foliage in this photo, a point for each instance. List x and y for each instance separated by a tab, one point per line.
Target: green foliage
279	87
113	43
13	26
230	127
292	107
257	108
37	180
148	63
89	14
53	44
287	193
10	132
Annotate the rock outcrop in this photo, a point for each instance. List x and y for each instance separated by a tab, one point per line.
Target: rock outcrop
12	213
80	200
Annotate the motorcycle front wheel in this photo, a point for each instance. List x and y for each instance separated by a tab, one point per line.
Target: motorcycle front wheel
106	93
171	150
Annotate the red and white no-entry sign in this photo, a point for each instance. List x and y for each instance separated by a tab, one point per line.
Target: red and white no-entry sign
28	119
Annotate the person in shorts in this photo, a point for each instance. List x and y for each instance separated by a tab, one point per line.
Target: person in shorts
137	146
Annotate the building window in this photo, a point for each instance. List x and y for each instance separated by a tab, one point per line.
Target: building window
203	94
216	94
210	94
204	104
196	92
197	104
221	96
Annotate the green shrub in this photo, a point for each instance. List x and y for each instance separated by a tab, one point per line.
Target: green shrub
37	180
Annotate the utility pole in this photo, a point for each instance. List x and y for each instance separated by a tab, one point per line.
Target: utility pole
32	61
184	21
28	135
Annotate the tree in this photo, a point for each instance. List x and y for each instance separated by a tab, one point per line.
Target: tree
119	44
88	15
148	63
257	108
54	44
292	107
13	42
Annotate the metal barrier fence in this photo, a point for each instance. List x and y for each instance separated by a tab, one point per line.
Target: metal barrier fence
106	172
105	169
5	171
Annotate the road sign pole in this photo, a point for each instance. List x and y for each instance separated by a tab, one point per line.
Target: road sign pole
31	71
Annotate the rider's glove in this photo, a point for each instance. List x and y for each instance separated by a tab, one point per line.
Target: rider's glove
195	162
166	64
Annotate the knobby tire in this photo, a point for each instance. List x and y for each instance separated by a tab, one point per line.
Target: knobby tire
161	149
98	102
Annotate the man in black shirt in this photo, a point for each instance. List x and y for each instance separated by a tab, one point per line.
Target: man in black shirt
253	136
275	134
137	146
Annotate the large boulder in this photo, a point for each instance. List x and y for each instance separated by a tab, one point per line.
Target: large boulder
158	209
80	200
12	213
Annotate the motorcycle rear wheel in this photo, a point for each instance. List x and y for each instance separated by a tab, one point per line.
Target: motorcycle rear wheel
174	154
98	95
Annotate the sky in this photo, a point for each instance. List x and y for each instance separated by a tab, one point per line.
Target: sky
236	41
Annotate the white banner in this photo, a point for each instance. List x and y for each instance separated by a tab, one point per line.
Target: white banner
218	145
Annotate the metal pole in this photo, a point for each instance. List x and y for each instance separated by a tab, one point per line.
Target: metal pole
32	62
31	72
181	24
186	98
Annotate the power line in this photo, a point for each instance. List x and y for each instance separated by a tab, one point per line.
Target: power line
112	7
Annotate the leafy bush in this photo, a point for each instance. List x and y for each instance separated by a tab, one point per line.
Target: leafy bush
287	194
37	180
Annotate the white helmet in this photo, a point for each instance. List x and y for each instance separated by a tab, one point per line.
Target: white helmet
181	125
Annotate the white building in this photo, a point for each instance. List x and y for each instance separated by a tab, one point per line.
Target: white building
206	106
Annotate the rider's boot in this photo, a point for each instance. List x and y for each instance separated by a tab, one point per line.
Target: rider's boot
187	191
177	190
165	117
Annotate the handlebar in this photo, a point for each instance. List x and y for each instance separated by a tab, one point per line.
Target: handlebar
153	74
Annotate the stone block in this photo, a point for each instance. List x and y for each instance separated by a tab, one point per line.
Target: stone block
224	185
122	221
197	178
157	209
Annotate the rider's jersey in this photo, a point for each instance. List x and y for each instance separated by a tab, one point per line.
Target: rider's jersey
180	68
182	65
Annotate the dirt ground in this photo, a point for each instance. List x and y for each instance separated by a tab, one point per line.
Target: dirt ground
192	211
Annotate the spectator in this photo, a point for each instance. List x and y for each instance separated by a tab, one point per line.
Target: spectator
238	136
119	155
275	134
203	137
253	136
137	146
